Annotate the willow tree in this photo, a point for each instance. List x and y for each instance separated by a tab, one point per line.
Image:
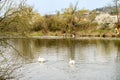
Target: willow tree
8	8
22	21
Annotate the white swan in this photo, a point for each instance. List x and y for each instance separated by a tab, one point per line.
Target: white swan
41	60
73	35
72	62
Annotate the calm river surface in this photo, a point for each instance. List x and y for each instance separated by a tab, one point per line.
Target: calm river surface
95	59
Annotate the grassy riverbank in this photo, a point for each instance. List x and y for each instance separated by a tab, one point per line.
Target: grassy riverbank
94	33
87	33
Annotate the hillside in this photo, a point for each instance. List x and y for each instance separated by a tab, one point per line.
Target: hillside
107	9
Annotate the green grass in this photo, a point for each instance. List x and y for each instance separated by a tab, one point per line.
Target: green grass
100	31
36	34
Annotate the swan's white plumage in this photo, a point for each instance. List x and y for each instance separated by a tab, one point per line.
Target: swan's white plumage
71	62
41	59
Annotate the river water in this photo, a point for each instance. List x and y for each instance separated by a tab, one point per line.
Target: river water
94	59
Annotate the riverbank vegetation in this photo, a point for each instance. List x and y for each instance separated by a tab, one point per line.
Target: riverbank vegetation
22	19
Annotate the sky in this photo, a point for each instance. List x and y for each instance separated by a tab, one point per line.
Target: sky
51	6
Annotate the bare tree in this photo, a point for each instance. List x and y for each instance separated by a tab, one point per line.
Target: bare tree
69	14
117	9
7	8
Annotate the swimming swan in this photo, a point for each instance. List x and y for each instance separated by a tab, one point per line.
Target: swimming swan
71	62
41	60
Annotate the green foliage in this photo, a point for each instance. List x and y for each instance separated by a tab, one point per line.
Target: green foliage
24	19
52	23
37	22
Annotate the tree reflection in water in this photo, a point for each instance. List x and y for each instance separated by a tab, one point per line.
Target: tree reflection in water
89	56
